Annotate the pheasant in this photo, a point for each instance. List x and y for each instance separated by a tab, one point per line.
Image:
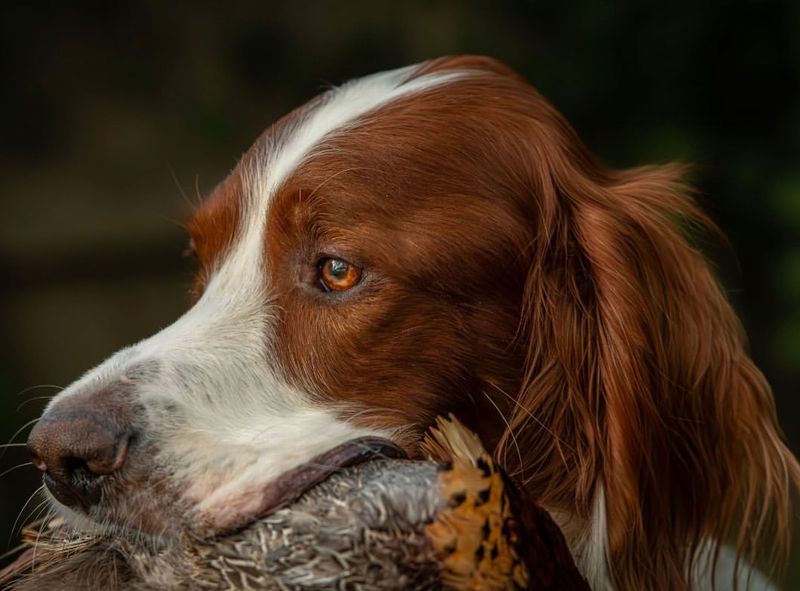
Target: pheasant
452	522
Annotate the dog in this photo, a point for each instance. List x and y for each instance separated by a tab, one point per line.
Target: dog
436	239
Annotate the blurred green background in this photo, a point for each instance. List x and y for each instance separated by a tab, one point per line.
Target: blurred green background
116	117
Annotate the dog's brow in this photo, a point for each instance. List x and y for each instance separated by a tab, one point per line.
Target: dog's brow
335	111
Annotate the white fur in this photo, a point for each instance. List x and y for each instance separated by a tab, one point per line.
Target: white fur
224	419
590	550
593	557
727	574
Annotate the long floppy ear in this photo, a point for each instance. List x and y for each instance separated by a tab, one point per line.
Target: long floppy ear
638	379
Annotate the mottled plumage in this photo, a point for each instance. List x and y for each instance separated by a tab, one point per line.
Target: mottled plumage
385	524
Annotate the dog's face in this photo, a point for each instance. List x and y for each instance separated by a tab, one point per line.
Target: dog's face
343	292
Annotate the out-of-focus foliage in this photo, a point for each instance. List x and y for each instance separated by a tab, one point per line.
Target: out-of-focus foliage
112	111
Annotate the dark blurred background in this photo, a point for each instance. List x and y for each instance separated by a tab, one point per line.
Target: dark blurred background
118	116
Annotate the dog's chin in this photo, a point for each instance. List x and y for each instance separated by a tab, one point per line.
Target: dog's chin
137	512
160	515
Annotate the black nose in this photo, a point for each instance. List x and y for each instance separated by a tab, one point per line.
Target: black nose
75	446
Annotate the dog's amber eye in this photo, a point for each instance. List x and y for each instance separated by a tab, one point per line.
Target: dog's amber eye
338	275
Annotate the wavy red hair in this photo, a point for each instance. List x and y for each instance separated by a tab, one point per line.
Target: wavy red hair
637	365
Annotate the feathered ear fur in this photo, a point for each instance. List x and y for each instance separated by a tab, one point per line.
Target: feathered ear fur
637	378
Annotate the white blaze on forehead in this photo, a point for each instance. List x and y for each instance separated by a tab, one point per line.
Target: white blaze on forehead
337	109
216	405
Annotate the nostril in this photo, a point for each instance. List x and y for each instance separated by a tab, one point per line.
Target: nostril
110	460
82	481
77	468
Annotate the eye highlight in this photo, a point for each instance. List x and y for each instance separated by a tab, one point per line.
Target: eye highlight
337	274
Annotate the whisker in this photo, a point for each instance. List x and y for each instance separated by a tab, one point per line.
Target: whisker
192	205
24	402
333	176
379	455
197	193
43	508
537	420
11	551
21	429
510	432
21	511
379	412
3	473
42	526
14	436
39	386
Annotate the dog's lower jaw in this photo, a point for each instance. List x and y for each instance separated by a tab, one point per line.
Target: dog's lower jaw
153	528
